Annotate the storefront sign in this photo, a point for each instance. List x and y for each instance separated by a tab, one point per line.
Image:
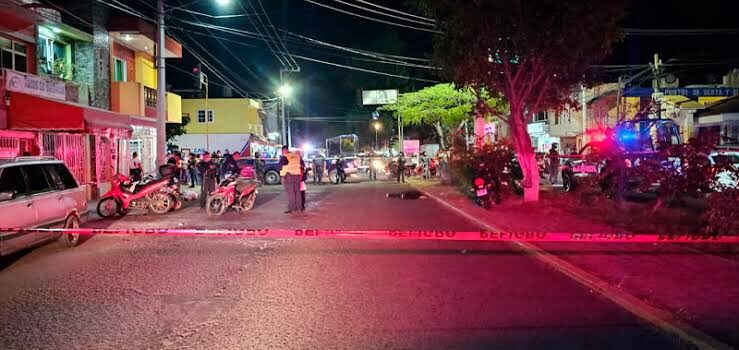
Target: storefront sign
536	128
411	146
35	85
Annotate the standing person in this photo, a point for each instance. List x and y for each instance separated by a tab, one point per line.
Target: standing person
291	176
303	178
426	165
318	163
340	175
259	167
401	167
176	161
372	170
136	169
191	171
217	157
209	174
553	164
199	178
229	166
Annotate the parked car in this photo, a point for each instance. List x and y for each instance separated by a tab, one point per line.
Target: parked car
724	178
38	192
271	169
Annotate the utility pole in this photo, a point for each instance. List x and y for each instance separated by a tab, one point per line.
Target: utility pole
282	111
584	116
161	144
618	99
657	73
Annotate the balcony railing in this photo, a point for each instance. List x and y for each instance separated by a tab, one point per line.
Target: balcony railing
73	91
150	97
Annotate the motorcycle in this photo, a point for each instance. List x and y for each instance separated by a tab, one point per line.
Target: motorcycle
232	192
124	195
486	192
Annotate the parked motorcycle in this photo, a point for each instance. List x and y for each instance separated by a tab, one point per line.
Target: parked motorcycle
486	192
232	192
125	195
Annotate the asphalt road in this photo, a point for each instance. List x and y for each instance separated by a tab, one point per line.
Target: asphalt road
115	292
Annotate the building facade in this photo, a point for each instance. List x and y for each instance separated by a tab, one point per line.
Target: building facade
233	124
60	85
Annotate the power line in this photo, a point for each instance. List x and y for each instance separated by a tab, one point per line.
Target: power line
371	18
126	9
385	14
397	11
211	67
214	16
264	37
243	65
293	64
364	70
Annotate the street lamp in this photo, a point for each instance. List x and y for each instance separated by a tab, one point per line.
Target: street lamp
285	90
377	127
223	2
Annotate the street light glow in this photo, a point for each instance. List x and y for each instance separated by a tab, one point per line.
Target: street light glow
285	90
377	126
223	2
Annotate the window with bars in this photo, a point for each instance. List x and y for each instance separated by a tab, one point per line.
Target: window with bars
201	116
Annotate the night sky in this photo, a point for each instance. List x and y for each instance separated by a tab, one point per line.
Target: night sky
326	92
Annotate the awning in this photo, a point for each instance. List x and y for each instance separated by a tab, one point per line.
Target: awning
16	17
28	112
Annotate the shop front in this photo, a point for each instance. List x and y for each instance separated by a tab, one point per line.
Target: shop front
93	143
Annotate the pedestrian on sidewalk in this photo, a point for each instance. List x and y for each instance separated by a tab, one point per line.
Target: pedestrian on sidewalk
553	164
401	167
136	170
291	175
426	165
209	173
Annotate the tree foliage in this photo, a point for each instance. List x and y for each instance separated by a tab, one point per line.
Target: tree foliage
443	105
532	52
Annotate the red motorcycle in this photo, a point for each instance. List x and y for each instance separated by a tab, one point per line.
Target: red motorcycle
125	195
233	192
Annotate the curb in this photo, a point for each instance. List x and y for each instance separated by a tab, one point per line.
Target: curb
659	318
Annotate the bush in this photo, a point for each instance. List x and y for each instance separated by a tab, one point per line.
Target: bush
722	216
494	162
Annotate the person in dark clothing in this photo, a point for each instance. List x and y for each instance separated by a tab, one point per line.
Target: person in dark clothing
191	169
401	167
553	164
229	165
176	160
340	174
259	167
136	168
209	173
304	178
318	164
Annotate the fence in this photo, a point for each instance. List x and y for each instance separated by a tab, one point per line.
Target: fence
69	148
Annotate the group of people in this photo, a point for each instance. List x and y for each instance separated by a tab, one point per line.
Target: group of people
204	169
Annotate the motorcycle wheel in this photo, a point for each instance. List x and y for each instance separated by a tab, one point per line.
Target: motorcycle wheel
177	202
108	207
160	203
247	202
216	205
486	203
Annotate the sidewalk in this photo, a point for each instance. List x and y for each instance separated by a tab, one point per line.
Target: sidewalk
696	288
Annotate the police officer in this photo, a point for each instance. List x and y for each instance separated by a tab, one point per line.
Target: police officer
209	174
290	165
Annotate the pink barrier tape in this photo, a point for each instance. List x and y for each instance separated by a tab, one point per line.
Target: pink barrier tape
403	235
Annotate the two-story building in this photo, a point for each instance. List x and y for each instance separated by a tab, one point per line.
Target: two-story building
59	87
234	124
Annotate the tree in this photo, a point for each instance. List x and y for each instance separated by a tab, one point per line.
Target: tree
532	52
443	106
176	129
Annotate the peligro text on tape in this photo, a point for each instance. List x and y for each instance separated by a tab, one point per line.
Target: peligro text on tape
402	235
